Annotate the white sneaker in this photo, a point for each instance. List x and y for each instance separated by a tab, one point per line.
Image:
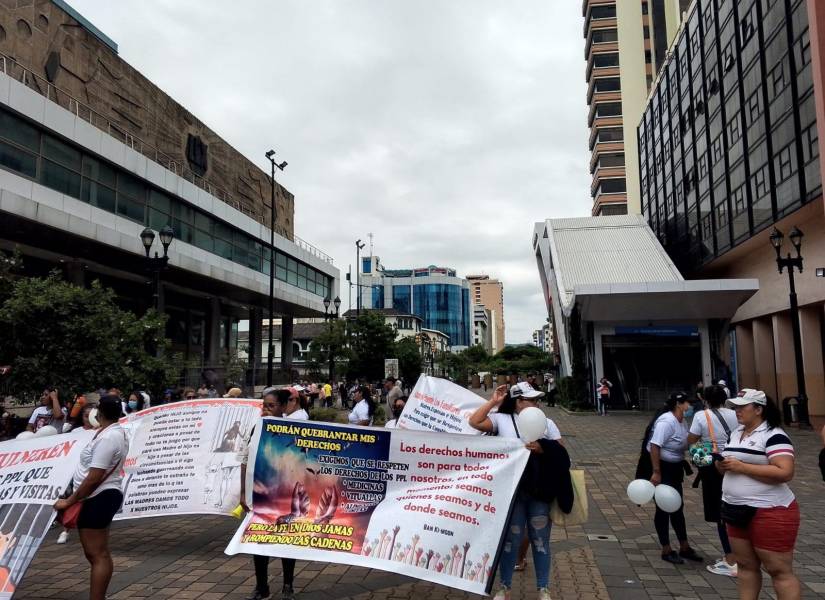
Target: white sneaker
502	594
544	594
63	537
721	567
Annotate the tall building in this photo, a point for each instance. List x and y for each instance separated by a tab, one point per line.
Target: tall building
626	41
482	327
490	294
731	148
92	152
435	294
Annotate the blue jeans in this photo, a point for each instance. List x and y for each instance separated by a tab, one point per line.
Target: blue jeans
534	516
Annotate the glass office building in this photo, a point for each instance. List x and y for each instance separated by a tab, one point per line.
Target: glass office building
435	294
728	142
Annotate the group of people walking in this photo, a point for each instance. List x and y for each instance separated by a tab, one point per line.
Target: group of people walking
744	487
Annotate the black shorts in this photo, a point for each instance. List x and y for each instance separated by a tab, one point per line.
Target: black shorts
98	511
711	493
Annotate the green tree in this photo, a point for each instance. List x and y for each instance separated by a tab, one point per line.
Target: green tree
371	341
409	359
78	339
333	335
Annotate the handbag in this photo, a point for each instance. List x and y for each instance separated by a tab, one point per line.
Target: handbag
580	512
737	515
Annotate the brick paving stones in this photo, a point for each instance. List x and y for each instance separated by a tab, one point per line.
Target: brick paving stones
182	557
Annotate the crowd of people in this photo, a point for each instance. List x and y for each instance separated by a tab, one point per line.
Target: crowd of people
745	461
745	491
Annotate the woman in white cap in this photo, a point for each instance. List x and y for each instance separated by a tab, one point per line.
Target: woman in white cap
528	513
759	508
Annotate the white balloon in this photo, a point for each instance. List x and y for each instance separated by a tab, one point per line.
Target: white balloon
24	435
531	424
667	498
640	491
46	431
93	418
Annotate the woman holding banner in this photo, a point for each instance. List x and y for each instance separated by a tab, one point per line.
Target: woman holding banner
96	484
274	405
528	511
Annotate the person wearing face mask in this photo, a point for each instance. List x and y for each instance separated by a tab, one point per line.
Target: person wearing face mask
397	408
134	403
666	445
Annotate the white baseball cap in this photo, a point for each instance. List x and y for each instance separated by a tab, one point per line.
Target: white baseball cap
722	382
749	396
525	390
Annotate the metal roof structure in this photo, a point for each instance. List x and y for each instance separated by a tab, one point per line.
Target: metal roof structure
606	250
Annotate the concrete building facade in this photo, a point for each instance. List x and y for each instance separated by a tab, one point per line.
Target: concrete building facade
490	293
483	327
91	153
731	147
625	44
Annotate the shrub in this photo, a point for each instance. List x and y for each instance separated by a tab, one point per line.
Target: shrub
572	393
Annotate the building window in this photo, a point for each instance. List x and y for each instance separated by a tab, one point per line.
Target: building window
646	32
777	79
754	108
810	144
734	133
648	57
803	50
783	164
605	36
606	60
760	182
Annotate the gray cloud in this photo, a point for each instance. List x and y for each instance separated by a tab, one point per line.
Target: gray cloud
445	128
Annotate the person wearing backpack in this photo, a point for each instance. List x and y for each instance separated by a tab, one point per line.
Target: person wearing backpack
712	427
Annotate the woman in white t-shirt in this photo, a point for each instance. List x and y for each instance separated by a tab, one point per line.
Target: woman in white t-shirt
667	445
714	425
96	483
293	406
759	508
527	513
364	409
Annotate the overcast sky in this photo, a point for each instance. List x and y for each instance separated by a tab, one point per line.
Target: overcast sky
445	128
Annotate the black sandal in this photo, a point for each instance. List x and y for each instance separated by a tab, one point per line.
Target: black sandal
673	558
690	554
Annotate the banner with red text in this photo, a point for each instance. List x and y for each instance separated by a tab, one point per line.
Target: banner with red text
185	457
428	505
33	474
440	405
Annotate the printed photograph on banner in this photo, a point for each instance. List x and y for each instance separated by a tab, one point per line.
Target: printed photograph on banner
316	485
22	528
185	458
428	505
440	405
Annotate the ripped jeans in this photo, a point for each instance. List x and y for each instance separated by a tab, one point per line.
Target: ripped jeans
534	516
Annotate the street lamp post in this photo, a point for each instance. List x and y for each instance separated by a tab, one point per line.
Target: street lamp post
792	263
270	155
358	245
157	263
329	317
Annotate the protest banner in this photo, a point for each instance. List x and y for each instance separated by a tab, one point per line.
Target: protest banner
184	457
390	368
33	474
440	405
428	505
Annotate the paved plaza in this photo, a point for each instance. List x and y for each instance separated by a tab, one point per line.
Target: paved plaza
183	557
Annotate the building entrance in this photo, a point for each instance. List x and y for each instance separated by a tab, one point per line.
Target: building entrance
645	368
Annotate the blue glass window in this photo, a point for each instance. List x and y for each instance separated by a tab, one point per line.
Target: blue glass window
378	296
401	297
444	307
